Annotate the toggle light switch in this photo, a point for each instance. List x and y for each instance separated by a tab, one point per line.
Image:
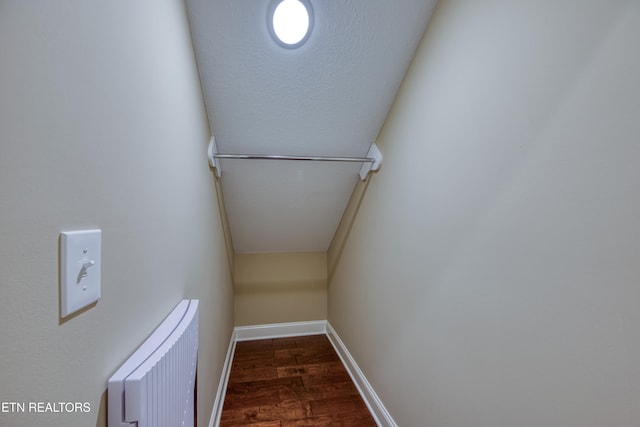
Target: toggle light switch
79	269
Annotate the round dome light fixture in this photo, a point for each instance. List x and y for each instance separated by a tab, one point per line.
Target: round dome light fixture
290	22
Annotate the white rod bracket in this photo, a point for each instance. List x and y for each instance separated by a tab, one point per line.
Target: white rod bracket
367	168
213	161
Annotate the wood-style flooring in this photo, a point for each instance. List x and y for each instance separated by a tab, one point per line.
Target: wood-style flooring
291	382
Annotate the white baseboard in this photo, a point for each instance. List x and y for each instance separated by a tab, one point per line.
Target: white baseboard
222	385
375	405
282	330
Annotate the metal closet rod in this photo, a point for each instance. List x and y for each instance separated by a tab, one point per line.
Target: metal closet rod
284	157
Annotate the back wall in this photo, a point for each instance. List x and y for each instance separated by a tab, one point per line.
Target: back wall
280	287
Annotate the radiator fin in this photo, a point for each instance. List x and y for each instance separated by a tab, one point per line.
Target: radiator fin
155	386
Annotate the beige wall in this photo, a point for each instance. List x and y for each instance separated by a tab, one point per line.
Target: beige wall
102	125
491	275
334	251
280	287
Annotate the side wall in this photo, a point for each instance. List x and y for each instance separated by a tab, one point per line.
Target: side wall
491	275
102	125
280	287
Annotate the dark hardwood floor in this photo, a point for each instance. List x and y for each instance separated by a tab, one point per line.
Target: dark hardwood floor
291	382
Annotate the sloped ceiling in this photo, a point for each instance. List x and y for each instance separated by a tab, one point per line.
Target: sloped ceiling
328	97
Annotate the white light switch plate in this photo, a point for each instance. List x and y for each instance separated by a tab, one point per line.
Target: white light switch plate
79	269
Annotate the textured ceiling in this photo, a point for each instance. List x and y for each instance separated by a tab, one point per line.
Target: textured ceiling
327	97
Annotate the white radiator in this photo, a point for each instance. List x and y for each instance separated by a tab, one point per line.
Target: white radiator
155	386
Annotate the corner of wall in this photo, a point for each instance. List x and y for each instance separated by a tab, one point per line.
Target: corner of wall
225	225
344	227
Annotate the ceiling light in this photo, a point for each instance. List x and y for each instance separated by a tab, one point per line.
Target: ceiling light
290	22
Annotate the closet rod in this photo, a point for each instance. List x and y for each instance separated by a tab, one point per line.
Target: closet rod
371	163
308	158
